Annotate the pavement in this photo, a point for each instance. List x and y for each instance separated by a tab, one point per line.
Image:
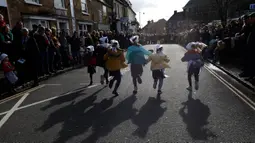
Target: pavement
65	109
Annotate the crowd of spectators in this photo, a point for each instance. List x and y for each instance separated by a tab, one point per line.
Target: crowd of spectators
238	37
43	51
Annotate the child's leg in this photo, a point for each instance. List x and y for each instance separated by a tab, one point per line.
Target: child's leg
135	83
189	79
118	79
196	74
161	80
91	78
155	83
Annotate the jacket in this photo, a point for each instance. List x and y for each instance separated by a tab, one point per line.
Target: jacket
159	61
135	55
114	60
193	58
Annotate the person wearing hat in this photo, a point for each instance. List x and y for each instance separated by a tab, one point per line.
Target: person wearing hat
92	61
8	69
35	28
101	50
136	58
195	62
159	61
115	61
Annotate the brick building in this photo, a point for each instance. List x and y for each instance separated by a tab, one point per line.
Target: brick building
158	28
71	15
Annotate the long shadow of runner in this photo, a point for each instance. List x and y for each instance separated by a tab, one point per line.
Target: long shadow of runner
66	97
69	112
196	118
111	118
148	115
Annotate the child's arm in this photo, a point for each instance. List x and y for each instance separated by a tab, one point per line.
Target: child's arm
122	57
167	59
106	56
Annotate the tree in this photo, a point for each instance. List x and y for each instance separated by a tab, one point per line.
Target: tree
223	8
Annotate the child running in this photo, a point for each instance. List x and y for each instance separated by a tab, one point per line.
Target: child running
195	62
159	61
136	58
91	62
115	61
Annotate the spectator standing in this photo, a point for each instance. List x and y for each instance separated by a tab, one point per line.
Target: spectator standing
35	28
17	39
32	56
43	44
75	47
64	48
52	50
2	22
6	39
58	57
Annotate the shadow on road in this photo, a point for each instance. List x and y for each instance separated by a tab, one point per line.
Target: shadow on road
65	113
196	118
108	120
149	114
66	97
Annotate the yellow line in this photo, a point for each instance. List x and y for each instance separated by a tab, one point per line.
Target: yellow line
21	94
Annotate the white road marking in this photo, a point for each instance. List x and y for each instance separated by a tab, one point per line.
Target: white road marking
21	94
237	92
14	108
54	84
46	100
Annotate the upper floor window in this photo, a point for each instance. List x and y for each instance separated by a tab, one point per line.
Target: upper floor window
104	11
84	6
33	1
59	3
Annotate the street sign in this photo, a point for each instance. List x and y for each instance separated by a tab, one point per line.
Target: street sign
252	6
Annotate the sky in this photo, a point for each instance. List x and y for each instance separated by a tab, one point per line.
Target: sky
155	11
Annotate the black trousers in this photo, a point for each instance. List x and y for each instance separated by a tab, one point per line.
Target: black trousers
116	77
193	71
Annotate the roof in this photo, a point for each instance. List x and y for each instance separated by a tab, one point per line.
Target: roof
155	27
192	3
177	16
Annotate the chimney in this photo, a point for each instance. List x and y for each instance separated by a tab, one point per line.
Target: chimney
152	21
175	12
149	22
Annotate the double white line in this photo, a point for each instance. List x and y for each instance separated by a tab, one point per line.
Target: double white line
237	92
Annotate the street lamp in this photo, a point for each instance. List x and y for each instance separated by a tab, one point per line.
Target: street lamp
140	19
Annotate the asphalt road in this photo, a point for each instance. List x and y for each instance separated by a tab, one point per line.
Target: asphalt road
63	109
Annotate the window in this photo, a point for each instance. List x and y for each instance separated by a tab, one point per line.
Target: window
59	3
104	11
84	6
82	28
33	1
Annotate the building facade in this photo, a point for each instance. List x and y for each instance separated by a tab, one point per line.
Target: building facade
70	15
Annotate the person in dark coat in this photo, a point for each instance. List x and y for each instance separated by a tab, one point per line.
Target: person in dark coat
17	39
32	56
43	44
75	47
35	28
52	50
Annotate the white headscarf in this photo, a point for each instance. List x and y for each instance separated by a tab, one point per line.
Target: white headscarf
91	48
158	46
115	42
134	39
189	45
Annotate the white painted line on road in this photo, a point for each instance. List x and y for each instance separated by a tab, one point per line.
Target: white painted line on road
14	108
54	84
21	94
238	93
46	100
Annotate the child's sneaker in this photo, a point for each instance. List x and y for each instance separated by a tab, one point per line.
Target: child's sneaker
189	88
102	79
135	90
139	80
196	85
